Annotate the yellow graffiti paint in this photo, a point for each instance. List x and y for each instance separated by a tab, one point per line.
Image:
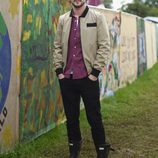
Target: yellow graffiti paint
30	71
25	2
43	75
13	9
43	78
29	18
36	2
55	28
7	136
29	86
32	128
40	118
18	65
44	1
26	35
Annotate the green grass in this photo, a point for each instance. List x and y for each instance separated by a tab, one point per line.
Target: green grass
131	122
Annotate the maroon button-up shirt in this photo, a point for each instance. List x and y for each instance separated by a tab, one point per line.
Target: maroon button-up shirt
75	64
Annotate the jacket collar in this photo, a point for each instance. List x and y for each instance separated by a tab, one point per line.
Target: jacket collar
83	14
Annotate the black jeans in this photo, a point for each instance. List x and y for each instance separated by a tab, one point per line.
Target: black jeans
72	90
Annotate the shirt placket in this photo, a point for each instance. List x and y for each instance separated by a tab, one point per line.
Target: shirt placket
75	27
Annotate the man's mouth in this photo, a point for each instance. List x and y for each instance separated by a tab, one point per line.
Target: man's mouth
77	1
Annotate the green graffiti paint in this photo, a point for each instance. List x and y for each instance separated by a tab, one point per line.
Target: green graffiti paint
109	80
40	99
3	29
1	42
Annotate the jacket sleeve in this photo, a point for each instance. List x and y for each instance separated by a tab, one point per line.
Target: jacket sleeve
103	42
57	53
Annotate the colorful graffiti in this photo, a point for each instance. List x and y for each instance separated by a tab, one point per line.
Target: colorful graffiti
5	62
40	100
142	61
115	33
109	78
7	136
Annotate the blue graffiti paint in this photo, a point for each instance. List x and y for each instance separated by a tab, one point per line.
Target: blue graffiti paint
5	62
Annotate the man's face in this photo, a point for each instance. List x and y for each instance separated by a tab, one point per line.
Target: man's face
78	3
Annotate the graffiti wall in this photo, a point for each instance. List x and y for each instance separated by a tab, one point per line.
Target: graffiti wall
150	32
40	100
142	59
9	72
30	99
123	55
128	53
110	77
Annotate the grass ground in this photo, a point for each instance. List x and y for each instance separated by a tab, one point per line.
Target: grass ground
130	118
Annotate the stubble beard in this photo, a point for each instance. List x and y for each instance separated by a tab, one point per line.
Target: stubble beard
78	6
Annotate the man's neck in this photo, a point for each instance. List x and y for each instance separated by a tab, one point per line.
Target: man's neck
78	11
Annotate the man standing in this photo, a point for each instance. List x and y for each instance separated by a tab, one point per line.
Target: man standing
81	51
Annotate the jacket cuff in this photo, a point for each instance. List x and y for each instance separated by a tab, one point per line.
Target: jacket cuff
95	72
59	71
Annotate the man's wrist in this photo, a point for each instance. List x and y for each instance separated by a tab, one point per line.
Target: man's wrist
95	72
59	71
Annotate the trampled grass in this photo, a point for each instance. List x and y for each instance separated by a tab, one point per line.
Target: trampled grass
131	122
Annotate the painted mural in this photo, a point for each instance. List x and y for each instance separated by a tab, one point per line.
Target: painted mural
115	36
5	60
40	100
123	53
128	53
142	61
109	78
10	12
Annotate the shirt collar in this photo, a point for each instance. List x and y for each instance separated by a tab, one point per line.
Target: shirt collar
83	14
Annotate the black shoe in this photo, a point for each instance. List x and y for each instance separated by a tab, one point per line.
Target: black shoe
103	151
74	149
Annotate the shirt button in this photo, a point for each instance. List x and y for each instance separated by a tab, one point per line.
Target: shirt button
75	47
74	55
74	29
